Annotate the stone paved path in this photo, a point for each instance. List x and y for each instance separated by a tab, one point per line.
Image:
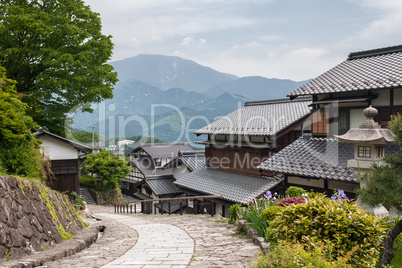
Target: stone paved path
213	243
158	245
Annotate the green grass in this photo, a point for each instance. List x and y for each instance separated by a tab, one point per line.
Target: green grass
397	260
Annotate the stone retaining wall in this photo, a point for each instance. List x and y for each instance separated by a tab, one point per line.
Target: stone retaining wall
33	217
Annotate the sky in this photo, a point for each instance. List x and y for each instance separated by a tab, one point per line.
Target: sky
286	39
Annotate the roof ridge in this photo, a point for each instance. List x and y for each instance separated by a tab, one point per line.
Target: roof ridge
190	153
277	101
375	52
161	143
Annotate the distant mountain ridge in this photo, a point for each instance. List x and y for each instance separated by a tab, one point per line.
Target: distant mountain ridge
162	90
166	72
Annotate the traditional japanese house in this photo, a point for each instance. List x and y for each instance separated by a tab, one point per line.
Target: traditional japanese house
238	143
64	155
147	178
186	162
340	95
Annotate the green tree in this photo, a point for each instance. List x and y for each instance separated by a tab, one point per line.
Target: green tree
19	151
107	166
383	185
57	53
85	137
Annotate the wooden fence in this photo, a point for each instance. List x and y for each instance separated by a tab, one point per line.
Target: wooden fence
147	205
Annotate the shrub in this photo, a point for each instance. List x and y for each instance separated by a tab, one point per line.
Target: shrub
340	224
291	200
270	213
88	181
252	215
289	255
108	186
294	191
234	212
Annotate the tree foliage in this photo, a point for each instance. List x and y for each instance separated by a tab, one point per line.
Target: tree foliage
57	53
107	166
19	151
85	137
383	185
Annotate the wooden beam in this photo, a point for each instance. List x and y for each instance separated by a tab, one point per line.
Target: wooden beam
180	198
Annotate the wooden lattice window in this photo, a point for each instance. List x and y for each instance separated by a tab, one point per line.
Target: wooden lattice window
379	151
364	151
320	122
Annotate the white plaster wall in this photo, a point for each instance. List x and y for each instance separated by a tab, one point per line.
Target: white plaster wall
307	182
180	171
218	209
58	150
346	186
382	99
398	96
356	118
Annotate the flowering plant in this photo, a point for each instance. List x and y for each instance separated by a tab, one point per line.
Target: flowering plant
268	196
339	196
291	200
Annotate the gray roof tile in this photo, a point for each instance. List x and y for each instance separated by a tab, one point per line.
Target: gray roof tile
366	70
193	160
233	187
316	158
163	150
163	186
266	117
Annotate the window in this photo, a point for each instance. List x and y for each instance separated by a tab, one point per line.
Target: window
364	151
320	122
379	151
344	122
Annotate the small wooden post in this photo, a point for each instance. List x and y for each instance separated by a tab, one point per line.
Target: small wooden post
212	208
162	207
195	206
169	207
114	208
135	208
131	209
181	208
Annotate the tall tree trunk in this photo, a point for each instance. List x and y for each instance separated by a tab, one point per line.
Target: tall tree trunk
389	244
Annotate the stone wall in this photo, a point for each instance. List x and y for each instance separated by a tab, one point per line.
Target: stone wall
107	198
33	217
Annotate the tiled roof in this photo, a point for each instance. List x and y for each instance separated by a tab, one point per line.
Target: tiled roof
233	187
146	167
163	150
43	131
266	117
316	158
193	160
366	70
163	186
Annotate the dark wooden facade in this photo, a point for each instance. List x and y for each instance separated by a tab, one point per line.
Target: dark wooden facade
66	174
244	160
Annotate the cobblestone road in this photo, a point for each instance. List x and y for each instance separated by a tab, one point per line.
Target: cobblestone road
202	241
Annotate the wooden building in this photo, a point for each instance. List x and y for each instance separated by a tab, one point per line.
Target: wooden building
65	155
340	95
238	143
147	178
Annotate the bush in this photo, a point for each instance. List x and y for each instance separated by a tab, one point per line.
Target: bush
88	181
340	225
253	213
270	213
234	212
291	200
289	255
108	186
294	191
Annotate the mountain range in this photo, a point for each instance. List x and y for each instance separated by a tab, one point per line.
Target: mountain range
156	94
